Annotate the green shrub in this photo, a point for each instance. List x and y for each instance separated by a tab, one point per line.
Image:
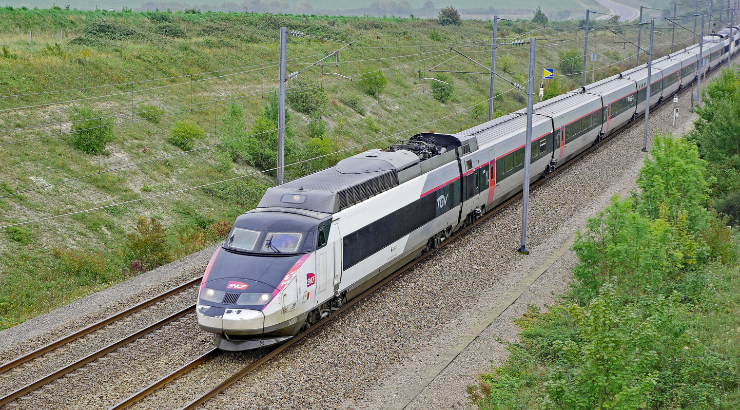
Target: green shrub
372	83
307	97
571	61
146	247
443	88
448	16
353	101
730	206
506	63
434	35
91	130
19	234
233	134
539	17
150	112
240	193
552	89
171	30
184	133
79	264
316	128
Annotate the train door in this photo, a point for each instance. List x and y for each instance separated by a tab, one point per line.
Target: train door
559	142
337	255
324	264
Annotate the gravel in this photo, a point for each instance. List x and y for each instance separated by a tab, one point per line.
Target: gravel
418	341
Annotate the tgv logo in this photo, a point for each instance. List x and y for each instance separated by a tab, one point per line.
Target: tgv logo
442	201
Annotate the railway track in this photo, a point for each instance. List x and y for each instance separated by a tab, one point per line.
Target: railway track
41	352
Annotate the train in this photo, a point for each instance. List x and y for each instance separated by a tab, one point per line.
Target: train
315	242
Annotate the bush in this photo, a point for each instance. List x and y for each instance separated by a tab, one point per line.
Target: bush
372	83
233	134
85	265
147	244
150	112
19	234
506	63
184	133
91	131
307	98
353	101
552	89
571	61
442	89
448	16
730	206
434	35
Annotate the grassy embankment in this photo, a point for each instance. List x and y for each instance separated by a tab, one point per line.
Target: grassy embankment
653	318
210	76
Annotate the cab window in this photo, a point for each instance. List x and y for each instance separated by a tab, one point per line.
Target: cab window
282	242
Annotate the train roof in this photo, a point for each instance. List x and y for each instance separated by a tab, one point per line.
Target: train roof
362	176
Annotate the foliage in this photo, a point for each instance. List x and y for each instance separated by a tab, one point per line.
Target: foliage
443	88
238	193
316	128
150	112
506	63
19	234
540	17
233	134
321	153
353	101
81	264
147	244
730	206
717	128
92	129
372	83
673	175
307	97
184	133
448	16
571	61
263	143
552	89
435	35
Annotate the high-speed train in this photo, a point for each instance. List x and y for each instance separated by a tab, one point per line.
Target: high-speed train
317	241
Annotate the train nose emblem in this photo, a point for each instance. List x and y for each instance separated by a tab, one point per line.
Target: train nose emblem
234	285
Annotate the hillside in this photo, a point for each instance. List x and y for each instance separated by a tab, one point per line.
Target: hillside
184	104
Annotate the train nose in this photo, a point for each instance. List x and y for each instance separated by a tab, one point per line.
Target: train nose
233	321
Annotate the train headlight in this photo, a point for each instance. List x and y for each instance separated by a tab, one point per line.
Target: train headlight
212	295
254	299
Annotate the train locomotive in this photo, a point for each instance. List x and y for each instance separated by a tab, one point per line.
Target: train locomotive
317	241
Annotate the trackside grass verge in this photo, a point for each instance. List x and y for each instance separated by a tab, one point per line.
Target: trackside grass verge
653	318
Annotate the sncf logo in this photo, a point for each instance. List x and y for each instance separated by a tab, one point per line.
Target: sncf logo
442	201
236	286
310	280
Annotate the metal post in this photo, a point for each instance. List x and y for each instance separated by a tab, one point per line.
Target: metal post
30	36
493	69
673	34
696	14
709	16
699	62
732	38
585	49
528	149
647	90
639	35
281	105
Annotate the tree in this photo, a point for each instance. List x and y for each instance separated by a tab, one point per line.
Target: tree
92	129
539	17
552	89
570	61
307	97
443	88
372	83
449	16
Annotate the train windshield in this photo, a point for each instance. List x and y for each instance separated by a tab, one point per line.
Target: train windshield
243	239
282	242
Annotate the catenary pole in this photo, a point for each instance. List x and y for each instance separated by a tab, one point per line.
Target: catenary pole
673	34
639	35
732	38
493	69
281	105
696	14
527	148
585	49
699	62
647	90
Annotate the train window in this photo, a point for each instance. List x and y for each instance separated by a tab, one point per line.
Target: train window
244	239
293	198
543	147
468	165
509	161
323	235
519	158
282	242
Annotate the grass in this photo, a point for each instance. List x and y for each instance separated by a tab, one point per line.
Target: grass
120	64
